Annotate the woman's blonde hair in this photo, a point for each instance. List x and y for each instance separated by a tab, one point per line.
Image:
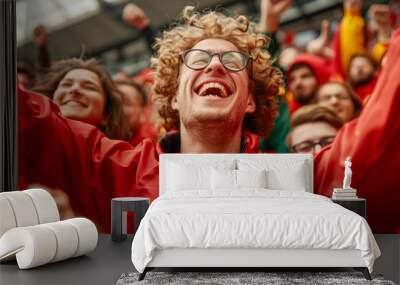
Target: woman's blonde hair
264	78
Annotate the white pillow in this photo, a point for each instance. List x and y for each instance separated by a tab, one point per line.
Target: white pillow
251	178
183	178
291	178
187	174
235	179
223	179
282	174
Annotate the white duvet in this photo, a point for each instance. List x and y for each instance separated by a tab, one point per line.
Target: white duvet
252	218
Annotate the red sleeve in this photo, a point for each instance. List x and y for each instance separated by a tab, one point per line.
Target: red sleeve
373	143
78	159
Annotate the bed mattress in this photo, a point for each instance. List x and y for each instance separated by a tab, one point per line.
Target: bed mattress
250	219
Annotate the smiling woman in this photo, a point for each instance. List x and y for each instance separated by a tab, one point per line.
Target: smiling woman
84	91
81	97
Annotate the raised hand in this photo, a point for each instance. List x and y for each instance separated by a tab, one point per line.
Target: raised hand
135	17
320	45
353	5
40	36
379	21
271	11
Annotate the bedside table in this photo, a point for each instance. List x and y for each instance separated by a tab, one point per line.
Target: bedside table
357	205
119	207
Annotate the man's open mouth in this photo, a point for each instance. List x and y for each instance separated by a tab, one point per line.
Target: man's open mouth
213	89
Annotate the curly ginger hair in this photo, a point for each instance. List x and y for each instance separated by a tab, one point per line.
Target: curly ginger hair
264	79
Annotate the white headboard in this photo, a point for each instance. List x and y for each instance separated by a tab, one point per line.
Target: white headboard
210	158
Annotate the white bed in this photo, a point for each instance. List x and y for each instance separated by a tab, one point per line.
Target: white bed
246	210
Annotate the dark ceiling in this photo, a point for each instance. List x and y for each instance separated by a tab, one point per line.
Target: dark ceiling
105	36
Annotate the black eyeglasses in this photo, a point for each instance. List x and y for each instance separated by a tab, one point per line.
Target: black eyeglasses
309	146
198	59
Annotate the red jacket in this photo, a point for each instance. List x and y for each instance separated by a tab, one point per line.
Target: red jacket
80	160
91	168
373	142
144	131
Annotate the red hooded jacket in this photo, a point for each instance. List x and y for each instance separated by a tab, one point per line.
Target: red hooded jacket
80	160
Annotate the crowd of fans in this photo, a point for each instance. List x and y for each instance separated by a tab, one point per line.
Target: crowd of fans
302	98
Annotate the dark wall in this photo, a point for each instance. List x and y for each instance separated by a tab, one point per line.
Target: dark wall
8	99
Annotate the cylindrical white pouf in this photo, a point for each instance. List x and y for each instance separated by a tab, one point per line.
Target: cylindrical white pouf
23	208
7	217
45	205
36	244
87	235
67	239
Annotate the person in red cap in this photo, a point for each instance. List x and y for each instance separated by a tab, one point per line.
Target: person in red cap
304	75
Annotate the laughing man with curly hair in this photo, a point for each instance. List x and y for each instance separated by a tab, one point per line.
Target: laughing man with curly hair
214	83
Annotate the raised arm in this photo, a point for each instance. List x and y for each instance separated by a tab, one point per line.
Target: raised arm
373	143
379	22
350	36
78	159
136	18
40	37
270	16
320	46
